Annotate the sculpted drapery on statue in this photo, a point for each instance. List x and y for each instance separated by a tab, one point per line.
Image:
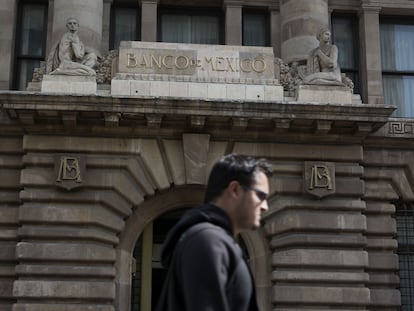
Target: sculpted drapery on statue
322	63
70	56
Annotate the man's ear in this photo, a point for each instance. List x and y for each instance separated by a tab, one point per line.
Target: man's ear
233	188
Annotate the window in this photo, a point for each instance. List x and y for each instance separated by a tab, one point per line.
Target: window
125	24
30	41
397	58
186	26
405	236
345	37
256	28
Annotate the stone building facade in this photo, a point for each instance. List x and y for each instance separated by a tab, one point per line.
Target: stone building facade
90	180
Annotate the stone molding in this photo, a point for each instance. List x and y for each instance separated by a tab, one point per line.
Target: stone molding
34	109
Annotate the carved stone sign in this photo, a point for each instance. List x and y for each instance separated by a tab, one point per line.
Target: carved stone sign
196	61
320	178
213	72
69	171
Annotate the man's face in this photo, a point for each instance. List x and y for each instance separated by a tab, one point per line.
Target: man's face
72	25
252	203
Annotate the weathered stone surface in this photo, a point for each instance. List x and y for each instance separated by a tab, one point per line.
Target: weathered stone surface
69	214
6	289
303	220
84	85
175	157
319	276
324	94
307	152
73	233
381	225
195	157
317	240
320	257
383	261
321	295
196	60
300	20
385	297
64	252
196	71
104	291
8	251
122	86
65	270
61	307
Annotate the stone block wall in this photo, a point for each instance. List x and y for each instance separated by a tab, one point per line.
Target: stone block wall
67	239
71	249
318	254
10	167
389	178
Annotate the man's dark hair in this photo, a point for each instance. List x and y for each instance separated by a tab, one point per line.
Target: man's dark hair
236	167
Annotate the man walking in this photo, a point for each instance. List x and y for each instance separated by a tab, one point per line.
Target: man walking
206	267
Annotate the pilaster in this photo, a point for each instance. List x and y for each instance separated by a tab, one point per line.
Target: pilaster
105	24
7	24
149	20
233	28
275	33
371	54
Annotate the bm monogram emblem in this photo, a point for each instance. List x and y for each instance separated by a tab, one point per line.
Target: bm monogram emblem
320	178
69	171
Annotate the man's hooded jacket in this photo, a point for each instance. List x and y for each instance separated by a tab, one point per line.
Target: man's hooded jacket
206	267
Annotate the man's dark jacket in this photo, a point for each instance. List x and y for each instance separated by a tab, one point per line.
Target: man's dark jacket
207	271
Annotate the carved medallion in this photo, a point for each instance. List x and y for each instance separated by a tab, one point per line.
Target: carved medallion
69	171
320	178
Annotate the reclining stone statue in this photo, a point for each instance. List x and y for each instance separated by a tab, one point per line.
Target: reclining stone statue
70	56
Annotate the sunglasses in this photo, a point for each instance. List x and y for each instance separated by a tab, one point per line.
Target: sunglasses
259	193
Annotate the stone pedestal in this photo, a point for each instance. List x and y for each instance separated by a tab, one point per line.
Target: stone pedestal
324	94
85	85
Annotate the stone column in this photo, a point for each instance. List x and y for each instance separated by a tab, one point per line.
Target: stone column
149	20
233	22
371	75
89	13
300	22
275	30
8	12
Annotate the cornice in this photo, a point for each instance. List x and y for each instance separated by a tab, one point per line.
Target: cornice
37	111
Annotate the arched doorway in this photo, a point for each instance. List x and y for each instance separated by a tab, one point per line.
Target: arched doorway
139	228
148	275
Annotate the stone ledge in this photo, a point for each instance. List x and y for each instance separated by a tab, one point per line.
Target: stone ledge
82	85
324	94
184	78
196	90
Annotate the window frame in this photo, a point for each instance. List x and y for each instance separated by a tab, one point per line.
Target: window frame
133	7
266	14
190	11
396	20
18	58
356	71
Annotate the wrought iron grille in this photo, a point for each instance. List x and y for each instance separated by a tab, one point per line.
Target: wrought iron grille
405	236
